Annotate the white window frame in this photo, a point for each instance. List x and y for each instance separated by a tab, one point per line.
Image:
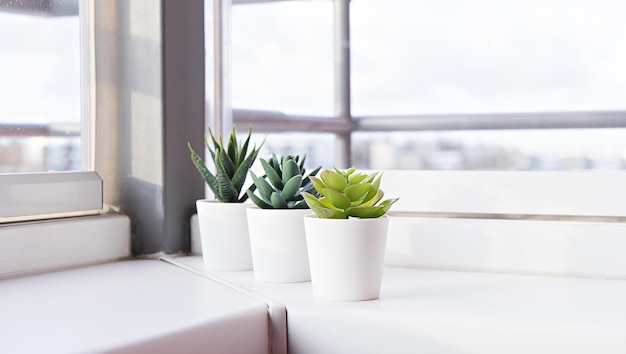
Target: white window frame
28	196
40	227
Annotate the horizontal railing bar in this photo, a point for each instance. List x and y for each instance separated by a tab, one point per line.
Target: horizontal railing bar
493	121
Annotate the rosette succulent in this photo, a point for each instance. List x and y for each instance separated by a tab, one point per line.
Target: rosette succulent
345	194
232	163
282	184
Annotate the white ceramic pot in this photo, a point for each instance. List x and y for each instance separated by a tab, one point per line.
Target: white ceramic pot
278	244
224	235
346	257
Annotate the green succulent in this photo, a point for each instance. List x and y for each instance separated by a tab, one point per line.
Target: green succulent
345	194
232	164
282	184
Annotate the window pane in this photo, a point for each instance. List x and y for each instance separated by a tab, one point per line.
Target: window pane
481	56
318	147
527	150
40	86
282	57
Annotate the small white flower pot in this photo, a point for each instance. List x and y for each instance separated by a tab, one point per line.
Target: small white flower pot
224	235
278	244
346	257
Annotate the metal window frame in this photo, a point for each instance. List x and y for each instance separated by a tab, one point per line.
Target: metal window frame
343	124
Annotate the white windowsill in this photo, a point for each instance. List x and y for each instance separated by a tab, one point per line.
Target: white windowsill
41	246
434	311
139	306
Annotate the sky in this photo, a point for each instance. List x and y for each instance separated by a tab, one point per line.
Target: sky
408	57
39	69
447	56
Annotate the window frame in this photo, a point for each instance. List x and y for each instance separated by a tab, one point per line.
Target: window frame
43	195
343	124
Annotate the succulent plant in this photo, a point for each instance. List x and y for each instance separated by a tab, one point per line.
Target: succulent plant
232	164
283	183
345	194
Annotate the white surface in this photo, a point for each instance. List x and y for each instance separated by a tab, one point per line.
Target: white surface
144	306
428	311
506	192
30	194
224	235
46	245
568	248
278	244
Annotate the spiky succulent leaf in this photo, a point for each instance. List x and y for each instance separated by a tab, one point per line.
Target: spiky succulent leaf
227	191
232	164
244	149
210	179
233	148
239	178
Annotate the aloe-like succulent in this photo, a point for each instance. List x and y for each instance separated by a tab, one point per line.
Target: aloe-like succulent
283	183
232	164
349	193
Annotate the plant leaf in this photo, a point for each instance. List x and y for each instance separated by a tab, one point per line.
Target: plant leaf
339	200
240	175
244	149
372	201
265	190
300	205
357	192
334	180
374	188
290	169
258	201
366	212
318	184
232	148
228	192
326	213
291	187
356	178
209	178
272	175
278	202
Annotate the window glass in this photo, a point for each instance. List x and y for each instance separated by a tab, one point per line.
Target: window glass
489	57
485	56
527	150
39	86
318	147
282	57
